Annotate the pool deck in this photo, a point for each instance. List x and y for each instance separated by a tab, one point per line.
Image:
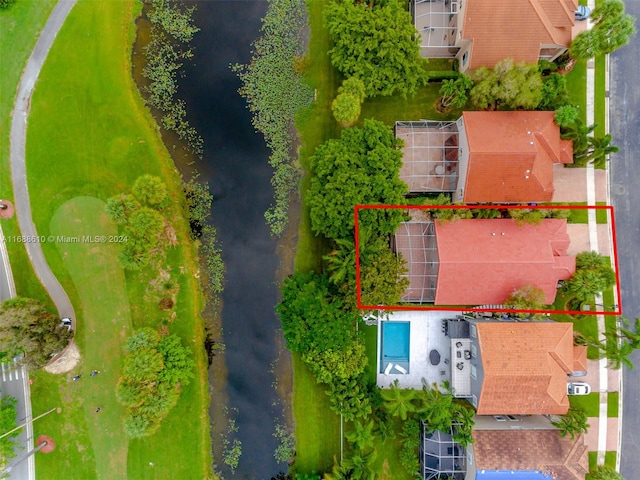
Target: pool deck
426	335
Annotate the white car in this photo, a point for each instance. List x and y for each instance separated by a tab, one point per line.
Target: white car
578	388
66	322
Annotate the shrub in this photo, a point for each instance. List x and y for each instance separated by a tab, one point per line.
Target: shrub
346	109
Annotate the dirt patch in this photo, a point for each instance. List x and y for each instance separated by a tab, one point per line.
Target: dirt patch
66	361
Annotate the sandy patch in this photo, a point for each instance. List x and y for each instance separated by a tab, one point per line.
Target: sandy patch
66	361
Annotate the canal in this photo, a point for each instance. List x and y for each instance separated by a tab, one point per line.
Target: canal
235	166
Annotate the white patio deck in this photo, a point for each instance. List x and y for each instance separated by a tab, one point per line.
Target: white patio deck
425	335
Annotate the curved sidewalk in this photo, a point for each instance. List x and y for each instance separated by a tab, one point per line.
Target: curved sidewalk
17	157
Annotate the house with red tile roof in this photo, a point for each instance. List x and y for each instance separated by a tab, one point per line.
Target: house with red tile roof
480	33
528	454
505	446
485	157
519	368
482	261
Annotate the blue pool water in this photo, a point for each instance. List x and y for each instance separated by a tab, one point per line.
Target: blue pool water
395	347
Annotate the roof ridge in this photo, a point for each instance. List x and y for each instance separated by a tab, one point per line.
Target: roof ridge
544	19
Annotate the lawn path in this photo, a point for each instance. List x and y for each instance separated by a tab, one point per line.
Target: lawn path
17	157
106	322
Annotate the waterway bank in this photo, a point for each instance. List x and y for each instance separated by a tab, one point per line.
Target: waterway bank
251	381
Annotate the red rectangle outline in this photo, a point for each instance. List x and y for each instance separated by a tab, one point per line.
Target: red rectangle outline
360	306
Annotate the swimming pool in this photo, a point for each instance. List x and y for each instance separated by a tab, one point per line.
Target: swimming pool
394	351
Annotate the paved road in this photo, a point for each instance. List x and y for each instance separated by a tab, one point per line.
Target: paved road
625	197
18	167
14	382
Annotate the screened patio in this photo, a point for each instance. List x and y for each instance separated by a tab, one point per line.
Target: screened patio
436	22
415	241
430	155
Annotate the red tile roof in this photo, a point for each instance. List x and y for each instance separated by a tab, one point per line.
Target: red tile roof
580	358
511	156
484	261
525	367
515	29
542	450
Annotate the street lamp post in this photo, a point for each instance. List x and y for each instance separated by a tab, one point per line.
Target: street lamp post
27	422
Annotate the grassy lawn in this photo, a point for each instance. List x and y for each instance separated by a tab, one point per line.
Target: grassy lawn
612	404
589	403
104	321
388	456
317	426
581	215
577	87
609	460
585	324
104	139
19	30
599	92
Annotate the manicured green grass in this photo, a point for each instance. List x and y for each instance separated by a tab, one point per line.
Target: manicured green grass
577	87
589	403
84	145
317	426
581	215
609	460
388	456
612	405
585	324
19	29
104	321
599	92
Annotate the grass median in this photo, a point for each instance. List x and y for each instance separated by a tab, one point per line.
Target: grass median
89	138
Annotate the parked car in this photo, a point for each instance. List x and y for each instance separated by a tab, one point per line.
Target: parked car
66	322
583	12
578	388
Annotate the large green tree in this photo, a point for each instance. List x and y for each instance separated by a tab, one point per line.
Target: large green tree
312	317
377	42
153	370
509	86
27	329
362	167
611	30
593	275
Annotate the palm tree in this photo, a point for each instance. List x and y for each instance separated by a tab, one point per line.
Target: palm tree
463	422
361	437
399	401
435	408
360	466
456	92
604	472
598	149
573	423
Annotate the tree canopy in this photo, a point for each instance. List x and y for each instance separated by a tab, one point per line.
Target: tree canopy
152	372
8	417
312	318
27	328
611	30
508	86
378	43
362	167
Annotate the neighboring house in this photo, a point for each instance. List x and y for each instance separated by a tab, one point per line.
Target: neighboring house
505	446
482	261
480	33
526	454
496	157
515	368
